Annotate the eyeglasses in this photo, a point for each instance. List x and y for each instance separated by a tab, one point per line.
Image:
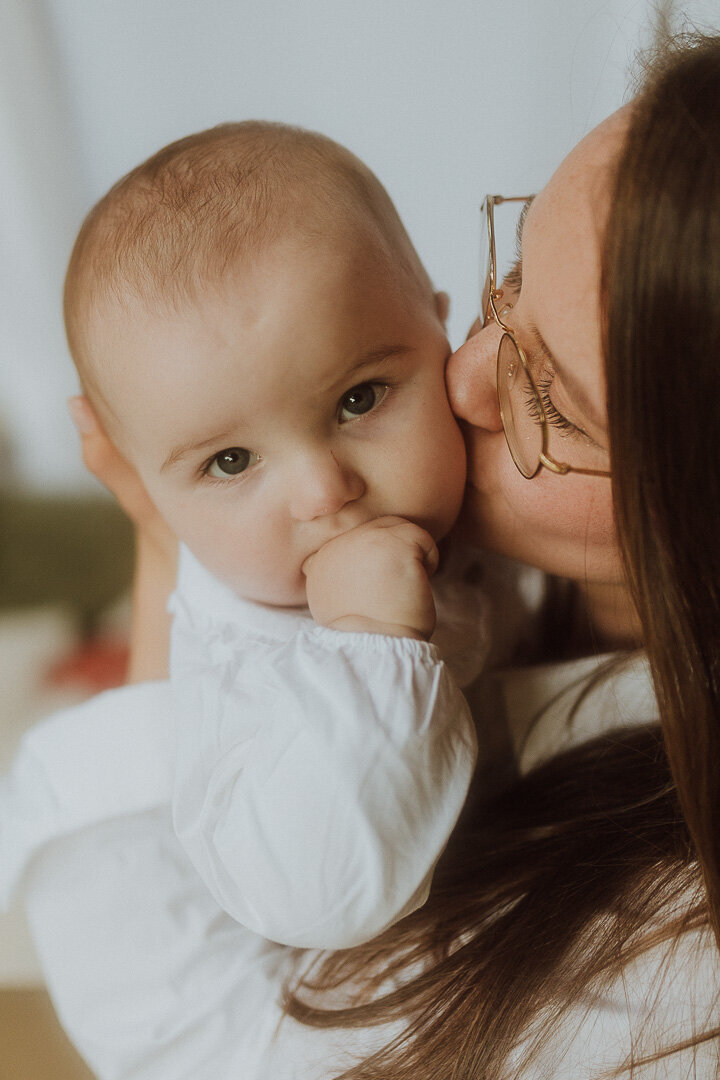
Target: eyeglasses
523	413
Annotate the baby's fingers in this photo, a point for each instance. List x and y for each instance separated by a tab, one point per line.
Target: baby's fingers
419	538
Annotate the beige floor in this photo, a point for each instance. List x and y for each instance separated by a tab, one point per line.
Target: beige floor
32	1043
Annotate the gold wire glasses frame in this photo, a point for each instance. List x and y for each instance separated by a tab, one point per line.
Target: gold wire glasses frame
514	380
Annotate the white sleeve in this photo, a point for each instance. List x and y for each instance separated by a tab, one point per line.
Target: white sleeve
106	758
318	779
149	979
152	981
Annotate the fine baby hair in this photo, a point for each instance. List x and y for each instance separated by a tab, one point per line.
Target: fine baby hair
182	219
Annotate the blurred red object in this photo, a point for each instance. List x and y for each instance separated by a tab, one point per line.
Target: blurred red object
94	666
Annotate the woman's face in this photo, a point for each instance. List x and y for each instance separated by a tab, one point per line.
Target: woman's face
562	524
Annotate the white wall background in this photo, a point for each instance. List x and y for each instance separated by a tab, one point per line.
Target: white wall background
444	99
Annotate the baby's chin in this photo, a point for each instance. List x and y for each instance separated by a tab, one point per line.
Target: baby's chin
285	595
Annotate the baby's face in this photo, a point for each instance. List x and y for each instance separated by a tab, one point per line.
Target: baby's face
302	398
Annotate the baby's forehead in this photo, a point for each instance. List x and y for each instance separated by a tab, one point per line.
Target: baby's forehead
135	325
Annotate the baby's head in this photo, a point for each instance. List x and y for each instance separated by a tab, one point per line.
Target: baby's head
259	339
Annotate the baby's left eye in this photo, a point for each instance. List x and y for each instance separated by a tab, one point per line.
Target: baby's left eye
233	461
361	399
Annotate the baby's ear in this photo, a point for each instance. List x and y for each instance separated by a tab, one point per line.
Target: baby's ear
442	306
103	459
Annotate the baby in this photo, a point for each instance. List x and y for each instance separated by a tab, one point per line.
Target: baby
260	341
258	338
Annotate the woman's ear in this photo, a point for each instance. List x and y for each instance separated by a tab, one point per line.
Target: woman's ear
442	306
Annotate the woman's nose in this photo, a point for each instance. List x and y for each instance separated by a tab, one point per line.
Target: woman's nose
323	486
472	380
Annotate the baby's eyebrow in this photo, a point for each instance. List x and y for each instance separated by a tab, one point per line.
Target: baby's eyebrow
179	453
376	356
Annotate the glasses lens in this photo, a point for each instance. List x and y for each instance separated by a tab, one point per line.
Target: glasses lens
484	262
519	408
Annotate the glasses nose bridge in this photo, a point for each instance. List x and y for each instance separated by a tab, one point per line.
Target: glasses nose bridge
497	309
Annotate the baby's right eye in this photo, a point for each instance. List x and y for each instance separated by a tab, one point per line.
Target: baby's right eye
231	462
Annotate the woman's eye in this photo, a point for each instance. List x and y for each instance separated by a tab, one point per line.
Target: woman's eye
543	383
361	399
231	462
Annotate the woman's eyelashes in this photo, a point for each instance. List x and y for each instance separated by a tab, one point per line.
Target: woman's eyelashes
543	383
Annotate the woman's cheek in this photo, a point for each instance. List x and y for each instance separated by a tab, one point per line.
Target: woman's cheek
561	524
569	507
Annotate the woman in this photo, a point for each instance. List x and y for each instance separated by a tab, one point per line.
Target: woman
573	926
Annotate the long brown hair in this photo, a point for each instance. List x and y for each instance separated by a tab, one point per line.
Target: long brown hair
662	303
613	847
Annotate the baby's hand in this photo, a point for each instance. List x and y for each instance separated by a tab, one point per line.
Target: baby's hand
375	578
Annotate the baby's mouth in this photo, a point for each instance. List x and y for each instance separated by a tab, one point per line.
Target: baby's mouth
332	534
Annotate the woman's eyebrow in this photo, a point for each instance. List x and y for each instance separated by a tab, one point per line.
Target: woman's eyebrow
520	226
575	388
516	267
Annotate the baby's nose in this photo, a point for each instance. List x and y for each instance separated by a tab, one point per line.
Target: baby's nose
323	487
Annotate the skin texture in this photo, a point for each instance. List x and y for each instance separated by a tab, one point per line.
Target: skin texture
264	362
562	524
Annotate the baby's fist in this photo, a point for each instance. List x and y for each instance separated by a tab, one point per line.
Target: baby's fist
375	578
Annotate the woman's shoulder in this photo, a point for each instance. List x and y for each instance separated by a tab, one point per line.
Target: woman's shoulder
551	708
664	1000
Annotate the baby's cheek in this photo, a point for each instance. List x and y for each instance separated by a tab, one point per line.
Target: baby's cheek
249	556
258	565
438	481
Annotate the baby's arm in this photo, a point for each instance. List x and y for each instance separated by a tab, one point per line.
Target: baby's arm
319	778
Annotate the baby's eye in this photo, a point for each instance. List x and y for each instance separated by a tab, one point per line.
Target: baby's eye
231	462
361	399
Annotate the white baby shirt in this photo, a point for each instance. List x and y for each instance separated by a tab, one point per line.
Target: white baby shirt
318	773
313	776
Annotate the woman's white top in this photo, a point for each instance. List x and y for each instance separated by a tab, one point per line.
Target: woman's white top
154	980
